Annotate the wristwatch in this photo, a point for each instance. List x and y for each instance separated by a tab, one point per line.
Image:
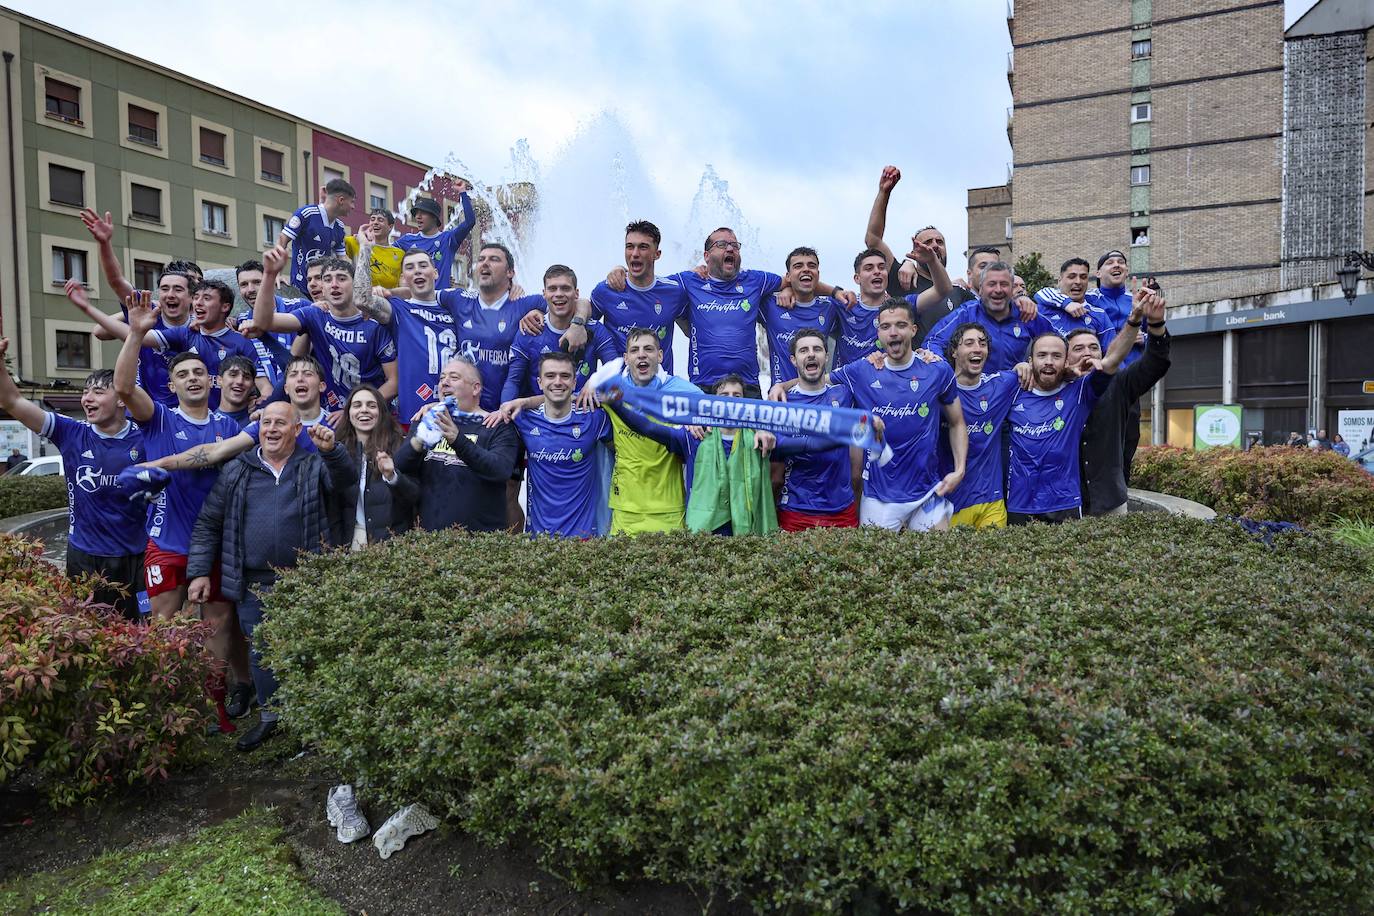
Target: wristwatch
1134	324
579	321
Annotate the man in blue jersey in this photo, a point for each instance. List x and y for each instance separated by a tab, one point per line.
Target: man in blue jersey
424	328
249	276
645	301
318	230
1067	308
350	347
723	311
171	517
985	398
808	310
440	244
909	395
1047	426
817	486
563	447
238	390
1009	331
105	531
561	294
859	325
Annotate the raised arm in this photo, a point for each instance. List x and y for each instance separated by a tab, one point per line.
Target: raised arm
15	404
208	455
364	293
265	314
107	326
939	277
877	217
102	230
141	321
1121	345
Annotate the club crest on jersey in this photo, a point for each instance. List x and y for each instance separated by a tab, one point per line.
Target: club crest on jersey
739	288
577	432
133	454
1016	330
658	308
1058	403
915	385
500	325
983	404
221	353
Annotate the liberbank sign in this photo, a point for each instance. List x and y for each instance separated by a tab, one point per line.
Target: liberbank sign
1291	313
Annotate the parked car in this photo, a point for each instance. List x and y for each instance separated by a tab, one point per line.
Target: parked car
47	466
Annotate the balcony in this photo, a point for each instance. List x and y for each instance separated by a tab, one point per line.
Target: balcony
1009	112
1011	20
1011	70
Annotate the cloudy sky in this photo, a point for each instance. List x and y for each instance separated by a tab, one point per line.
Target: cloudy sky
797	106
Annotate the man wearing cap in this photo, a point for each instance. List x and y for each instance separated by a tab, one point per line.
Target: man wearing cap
385	263
441	246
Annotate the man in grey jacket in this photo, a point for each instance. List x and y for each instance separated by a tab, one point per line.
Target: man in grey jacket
268	505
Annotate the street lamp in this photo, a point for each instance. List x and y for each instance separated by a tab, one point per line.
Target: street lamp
1349	273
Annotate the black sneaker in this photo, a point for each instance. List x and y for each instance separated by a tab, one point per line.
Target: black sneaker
256	735
241	698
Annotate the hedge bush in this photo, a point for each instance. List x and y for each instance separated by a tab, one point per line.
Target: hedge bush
1268	484
21	495
88	700
1143	714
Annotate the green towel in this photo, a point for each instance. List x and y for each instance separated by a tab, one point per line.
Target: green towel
737	489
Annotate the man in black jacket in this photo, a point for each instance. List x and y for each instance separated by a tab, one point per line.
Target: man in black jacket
268	505
462	465
1103	471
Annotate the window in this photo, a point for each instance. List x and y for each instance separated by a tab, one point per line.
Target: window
1140	235
1140	111
272	165
327	174
376	196
66	185
145	203
211	146
1141	49
1140	174
73	350
271	230
142	125
146	274
68	264
214	218
61	100
1008	227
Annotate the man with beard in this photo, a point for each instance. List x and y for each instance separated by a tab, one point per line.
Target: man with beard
1008	331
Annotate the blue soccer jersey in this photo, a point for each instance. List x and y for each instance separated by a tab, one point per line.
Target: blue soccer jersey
1052	306
909	400
564	458
485	335
1046	427
213	349
655	308
985	407
781	324
100	518
1008	338
285	305
426	338
522	376
724	314
152	366
818	482
312	236
351	350
172	515
1117	302
858	333
442	247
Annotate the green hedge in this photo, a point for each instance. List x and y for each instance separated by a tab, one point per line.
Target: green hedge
22	495
1276	484
1144	714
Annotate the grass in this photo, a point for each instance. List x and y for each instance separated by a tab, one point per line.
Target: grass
239	866
1353	532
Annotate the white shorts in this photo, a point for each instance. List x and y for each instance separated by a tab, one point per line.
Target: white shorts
914	516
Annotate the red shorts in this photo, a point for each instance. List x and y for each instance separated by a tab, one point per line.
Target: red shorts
164	571
847	517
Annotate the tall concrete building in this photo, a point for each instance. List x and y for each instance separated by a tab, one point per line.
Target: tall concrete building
1154	126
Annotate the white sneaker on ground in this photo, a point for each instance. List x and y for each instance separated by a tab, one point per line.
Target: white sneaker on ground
412	820
341	807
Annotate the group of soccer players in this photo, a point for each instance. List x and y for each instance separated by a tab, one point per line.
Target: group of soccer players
993	407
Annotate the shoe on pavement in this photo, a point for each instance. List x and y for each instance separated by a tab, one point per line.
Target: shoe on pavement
241	699
256	735
341	807
412	820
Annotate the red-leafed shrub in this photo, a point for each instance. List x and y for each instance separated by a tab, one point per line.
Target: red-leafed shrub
1277	484
88	700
